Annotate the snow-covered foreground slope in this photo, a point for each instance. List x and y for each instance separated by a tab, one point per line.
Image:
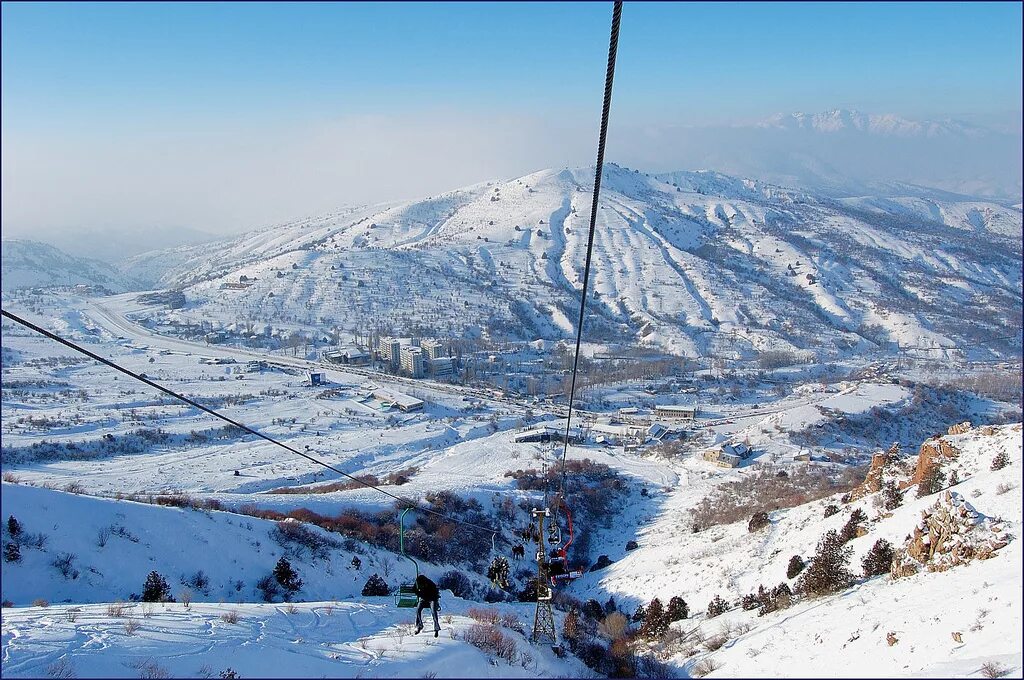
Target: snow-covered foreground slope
687	261
843	635
348	639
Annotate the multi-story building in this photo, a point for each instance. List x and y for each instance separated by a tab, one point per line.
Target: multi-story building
412	361
441	367
434	349
390	349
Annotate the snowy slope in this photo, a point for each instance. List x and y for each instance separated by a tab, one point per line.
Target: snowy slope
691	262
28	264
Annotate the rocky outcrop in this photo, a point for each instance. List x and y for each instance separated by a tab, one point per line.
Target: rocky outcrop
933	452
962	428
950	533
884	465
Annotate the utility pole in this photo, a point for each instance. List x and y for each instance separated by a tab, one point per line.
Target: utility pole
543	618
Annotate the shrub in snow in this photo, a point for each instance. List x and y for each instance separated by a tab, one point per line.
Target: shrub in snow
1000	461
269	588
677	609
457	582
796	565
64	563
831	509
639	614
156	588
780	597
356	563
610	606
828	571
593	610
572	628
602	562
879	559
13	526
758	520
375	586
12	553
717	607
287	577
632	545
853	527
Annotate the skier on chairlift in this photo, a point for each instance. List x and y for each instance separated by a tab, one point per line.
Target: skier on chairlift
429	596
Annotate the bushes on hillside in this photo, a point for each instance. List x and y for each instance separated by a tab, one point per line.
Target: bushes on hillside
764	491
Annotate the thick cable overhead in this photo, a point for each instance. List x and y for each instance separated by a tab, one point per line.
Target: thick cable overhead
241	426
613	46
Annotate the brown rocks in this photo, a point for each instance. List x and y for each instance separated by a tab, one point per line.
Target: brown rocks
961	428
950	533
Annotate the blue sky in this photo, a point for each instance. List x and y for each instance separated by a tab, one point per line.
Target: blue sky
261	112
696	61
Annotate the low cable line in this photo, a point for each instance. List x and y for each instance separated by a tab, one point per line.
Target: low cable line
242	426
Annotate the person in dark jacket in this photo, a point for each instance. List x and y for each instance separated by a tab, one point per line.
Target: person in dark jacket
429	596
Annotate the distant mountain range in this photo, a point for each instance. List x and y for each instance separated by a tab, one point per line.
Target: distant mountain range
848	153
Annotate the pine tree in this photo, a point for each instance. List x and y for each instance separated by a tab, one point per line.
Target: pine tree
655	622
287	577
879	559
1000	461
375	586
677	609
849	531
796	565
891	496
828	571
12	553
571	628
610	606
717	607
932	481
156	588
640	614
13	526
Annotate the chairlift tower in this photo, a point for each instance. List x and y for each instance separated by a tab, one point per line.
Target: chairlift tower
543	618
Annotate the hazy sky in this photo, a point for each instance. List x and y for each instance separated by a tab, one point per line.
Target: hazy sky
220	117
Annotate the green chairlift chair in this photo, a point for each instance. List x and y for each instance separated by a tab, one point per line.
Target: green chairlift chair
406	596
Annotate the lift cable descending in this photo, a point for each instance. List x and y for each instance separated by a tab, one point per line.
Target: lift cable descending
613	46
408	502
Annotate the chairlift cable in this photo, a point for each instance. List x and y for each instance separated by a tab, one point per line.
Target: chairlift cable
613	45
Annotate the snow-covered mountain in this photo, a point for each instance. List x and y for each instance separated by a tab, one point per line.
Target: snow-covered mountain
681	260
847	153
844	120
29	264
